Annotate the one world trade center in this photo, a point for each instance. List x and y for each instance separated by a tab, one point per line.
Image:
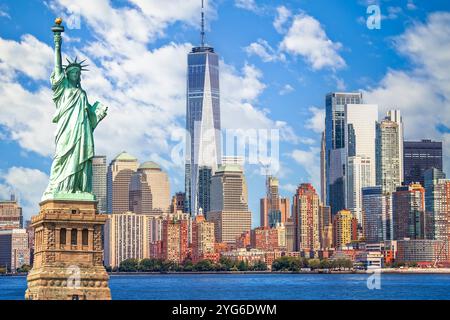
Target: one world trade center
203	141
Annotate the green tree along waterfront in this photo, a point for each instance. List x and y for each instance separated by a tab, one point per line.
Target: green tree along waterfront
289	264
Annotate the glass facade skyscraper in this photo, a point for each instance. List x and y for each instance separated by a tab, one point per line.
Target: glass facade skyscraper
203	147
420	156
335	153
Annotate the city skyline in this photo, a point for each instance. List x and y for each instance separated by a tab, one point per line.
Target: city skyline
300	141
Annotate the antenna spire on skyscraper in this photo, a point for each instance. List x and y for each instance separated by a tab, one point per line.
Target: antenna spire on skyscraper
202	33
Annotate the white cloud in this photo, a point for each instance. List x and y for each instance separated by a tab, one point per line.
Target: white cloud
262	49
5	192
307	38
411	5
309	160
4	14
27	117
423	93
289	187
28	185
247	5
317	121
29	56
392	13
282	17
287	88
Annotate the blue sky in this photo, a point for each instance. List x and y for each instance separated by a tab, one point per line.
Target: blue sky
278	60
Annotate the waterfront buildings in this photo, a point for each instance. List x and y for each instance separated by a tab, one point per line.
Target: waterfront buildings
120	171
202	239
437	205
335	152
149	190
10	214
14	249
305	210
344	229
264	238
325	227
99	182
175	237
291	235
244	240
203	149
408	212
128	236
426	251
420	156
229	206
377	215
250	256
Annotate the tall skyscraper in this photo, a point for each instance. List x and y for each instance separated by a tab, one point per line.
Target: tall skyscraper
229	204
420	156
99	182
10	215
360	133
395	116
377	214
335	154
273	208
305	207
323	177
202	119
389	160
408	212
358	176
437	205
149	190
120	171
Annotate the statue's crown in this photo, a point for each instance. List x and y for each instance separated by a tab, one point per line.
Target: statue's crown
75	64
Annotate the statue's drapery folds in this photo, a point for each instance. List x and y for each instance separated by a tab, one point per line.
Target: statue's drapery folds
76	119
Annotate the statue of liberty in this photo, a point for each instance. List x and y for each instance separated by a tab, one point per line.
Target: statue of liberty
76	119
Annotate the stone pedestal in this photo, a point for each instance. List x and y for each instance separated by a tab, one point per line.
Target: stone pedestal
68	253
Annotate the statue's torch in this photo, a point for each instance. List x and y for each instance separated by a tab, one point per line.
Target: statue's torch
58	28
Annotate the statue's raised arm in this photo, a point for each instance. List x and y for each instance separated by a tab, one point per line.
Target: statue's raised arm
57	29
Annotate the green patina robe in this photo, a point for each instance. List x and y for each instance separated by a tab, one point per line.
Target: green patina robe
76	120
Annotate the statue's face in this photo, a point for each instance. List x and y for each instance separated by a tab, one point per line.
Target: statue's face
74	75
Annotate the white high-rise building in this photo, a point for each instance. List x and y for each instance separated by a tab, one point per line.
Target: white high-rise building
360	138
358	177
389	155
395	116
